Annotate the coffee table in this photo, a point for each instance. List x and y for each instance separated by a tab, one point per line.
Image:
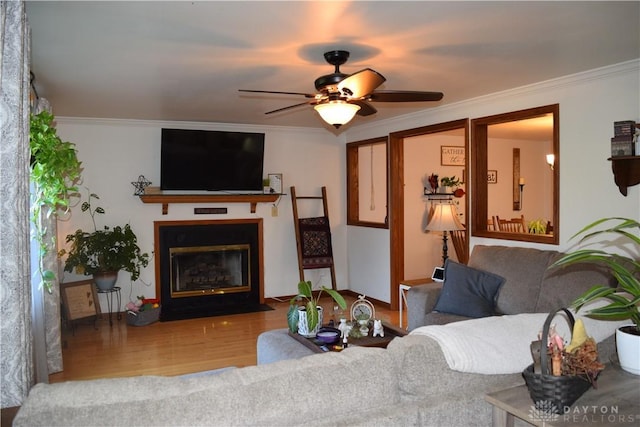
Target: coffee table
616	401
317	346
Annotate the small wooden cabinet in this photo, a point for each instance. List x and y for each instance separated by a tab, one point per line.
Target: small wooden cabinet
626	171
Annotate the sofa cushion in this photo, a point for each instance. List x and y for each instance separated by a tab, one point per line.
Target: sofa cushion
522	270
436	318
562	285
282	393
468	291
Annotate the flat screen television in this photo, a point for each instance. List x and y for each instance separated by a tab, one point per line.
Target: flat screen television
211	161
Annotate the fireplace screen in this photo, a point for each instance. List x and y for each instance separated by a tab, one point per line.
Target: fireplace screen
206	270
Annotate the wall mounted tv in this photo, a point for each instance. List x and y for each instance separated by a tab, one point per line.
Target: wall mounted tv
211	161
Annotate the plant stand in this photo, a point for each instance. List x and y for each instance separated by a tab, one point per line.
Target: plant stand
109	295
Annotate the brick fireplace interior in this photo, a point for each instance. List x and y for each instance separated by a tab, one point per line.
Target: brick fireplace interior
209	268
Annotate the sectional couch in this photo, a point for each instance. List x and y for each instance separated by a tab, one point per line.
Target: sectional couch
530	285
409	383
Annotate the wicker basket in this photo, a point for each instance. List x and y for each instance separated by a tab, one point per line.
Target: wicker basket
143	318
552	393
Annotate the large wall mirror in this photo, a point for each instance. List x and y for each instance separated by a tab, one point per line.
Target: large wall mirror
367	199
515	161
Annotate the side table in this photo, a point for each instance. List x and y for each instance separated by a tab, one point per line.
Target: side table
405	285
109	294
616	401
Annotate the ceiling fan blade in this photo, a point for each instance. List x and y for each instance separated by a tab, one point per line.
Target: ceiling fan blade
366	109
306	95
286	108
404	96
361	83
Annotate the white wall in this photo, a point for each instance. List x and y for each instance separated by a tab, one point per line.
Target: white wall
115	152
589	104
369	249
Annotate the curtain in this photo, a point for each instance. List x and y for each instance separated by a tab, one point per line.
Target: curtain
16	349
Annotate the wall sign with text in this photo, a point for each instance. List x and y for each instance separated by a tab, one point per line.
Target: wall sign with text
452	155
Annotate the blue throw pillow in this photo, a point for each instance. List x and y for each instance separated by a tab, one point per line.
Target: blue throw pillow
467	291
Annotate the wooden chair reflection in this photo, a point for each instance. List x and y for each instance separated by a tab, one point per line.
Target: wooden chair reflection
459	239
513	225
491	224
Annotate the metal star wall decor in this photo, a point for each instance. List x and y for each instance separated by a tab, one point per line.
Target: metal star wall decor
140	185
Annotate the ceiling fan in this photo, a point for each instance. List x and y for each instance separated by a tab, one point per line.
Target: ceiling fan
341	96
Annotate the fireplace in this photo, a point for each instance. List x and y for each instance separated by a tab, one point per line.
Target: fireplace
209	268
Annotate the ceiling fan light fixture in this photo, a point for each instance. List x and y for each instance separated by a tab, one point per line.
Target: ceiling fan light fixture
337	113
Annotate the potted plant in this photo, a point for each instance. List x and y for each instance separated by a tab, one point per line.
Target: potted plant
537	226
102	253
449	183
624	302
54	171
305	313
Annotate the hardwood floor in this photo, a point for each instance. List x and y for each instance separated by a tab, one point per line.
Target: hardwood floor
176	347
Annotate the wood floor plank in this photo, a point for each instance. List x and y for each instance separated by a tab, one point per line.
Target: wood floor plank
176	347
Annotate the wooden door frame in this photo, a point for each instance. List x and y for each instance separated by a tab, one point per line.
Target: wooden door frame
396	196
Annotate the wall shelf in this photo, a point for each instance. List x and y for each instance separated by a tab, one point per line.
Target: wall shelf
155	195
439	196
626	171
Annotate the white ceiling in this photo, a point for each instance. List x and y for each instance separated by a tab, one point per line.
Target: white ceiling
186	60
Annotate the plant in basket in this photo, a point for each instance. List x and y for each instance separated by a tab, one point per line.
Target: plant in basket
564	372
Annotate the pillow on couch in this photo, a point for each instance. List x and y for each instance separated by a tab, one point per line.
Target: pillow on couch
467	291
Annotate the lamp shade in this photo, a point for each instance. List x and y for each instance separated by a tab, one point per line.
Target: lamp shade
337	113
551	159
444	217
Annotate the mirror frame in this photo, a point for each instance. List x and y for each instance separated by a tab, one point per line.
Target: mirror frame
353	183
479	187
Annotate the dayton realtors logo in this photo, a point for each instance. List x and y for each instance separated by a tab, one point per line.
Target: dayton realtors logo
546	411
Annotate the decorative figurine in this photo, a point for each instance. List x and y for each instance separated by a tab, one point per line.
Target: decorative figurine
140	185
364	327
344	328
377	328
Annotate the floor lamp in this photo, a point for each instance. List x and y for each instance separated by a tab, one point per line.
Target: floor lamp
444	217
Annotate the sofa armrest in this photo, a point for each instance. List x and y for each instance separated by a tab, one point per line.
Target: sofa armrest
421	300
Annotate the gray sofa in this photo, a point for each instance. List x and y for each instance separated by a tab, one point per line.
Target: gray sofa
409	383
529	286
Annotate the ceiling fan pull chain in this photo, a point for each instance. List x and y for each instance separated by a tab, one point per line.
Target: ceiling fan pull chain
372	206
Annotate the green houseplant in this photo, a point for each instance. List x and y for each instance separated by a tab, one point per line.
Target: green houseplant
305	302
623	302
54	172
449	181
537	226
448	184
105	251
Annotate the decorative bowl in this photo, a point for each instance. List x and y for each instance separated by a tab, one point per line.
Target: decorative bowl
328	335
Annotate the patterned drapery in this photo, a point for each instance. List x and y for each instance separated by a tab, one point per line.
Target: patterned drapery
16	349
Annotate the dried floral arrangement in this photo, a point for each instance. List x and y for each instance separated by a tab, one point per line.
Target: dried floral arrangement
578	358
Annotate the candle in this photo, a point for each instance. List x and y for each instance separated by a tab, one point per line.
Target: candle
521	181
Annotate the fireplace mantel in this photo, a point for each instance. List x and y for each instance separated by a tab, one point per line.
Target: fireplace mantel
155	195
